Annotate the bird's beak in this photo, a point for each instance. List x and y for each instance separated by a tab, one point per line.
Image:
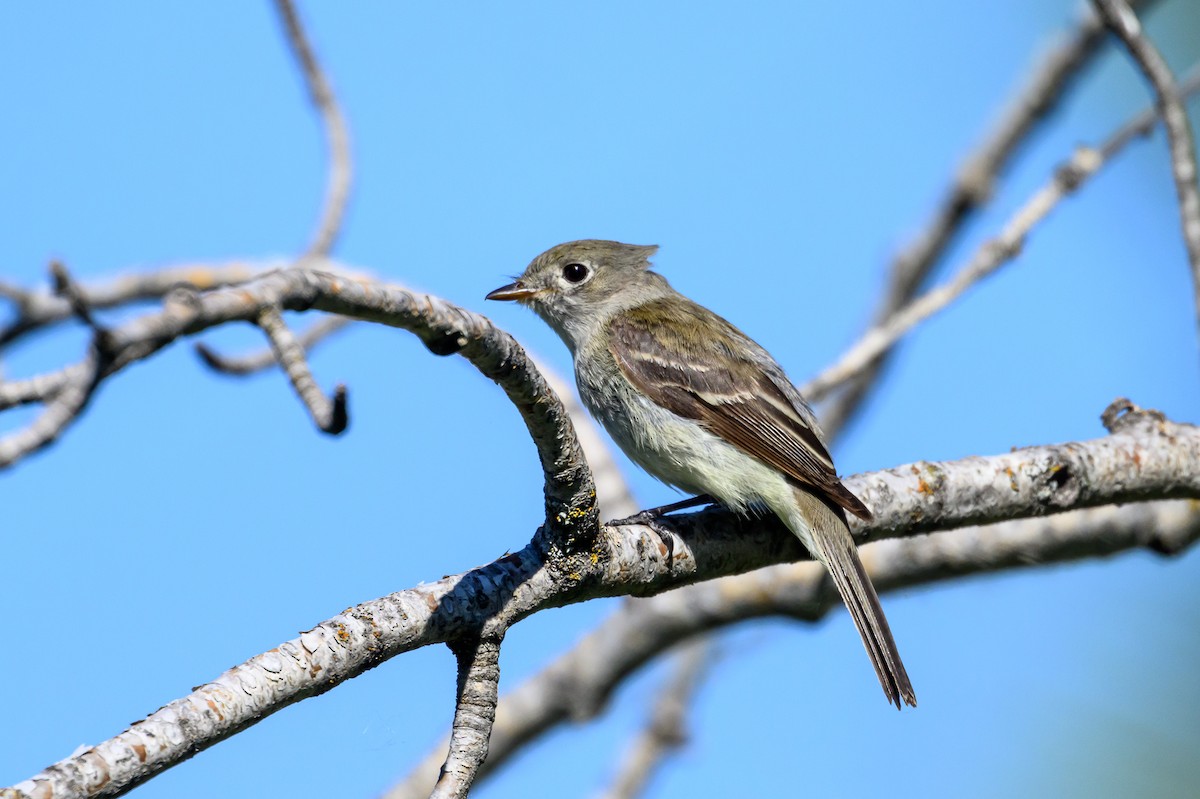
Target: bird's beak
513	291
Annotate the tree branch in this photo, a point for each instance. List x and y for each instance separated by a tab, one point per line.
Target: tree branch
475	708
666	728
1146	457
337	134
257	361
38	310
576	687
1122	21
329	413
1042	92
1066	180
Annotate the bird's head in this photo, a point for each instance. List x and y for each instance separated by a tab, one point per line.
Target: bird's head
577	286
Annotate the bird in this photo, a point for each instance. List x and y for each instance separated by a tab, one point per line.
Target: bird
702	407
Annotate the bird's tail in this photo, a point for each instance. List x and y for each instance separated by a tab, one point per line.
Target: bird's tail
824	531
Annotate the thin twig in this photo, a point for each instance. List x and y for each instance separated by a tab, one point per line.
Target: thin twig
251	362
64	401
994	254
329	413
666	728
1123	22
337	135
39	310
1042	92
13	293
474	710
66	287
1144	123
37	389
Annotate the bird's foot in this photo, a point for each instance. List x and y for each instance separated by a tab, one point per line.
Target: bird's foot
650	516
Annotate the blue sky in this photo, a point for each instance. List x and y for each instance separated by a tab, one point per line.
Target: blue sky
779	153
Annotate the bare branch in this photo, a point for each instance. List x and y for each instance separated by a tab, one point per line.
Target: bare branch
41	309
263	359
993	255
1066	180
1044	88
328	413
666	729
12	292
576	687
36	389
66	394
337	135
475	708
1122	21
1146	458
66	287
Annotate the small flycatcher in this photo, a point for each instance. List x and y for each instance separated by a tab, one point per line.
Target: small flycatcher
696	403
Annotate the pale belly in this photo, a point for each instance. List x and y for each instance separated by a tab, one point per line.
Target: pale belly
678	451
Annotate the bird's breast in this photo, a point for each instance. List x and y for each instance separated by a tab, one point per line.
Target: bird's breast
673	449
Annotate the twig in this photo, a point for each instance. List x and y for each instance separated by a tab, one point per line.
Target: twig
64	399
341	170
576	687
994	254
1144	123
329	413
66	287
1048	83
475	708
41	309
1123	22
666	729
39	388
252	362
12	292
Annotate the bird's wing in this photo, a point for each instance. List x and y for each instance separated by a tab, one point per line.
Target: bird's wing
730	386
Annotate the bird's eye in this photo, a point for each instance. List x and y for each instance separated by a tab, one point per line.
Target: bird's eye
575	272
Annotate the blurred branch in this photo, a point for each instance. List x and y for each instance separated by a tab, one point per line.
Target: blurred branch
997	252
66	287
1122	21
666	728
40	309
576	687
1048	82
1145	457
329	413
257	361
337	135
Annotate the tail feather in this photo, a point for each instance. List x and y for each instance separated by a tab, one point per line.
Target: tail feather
828	538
